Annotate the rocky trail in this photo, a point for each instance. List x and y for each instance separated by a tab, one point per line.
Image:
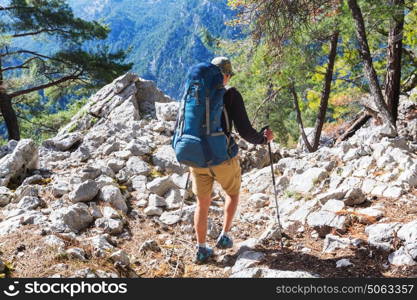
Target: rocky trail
103	197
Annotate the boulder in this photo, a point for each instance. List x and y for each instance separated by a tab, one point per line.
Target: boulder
110	213
305	182
12	223
73	218
29	203
153	211
344	262
166	111
336	194
64	142
333	242
246	260
381	235
120	257
149	245
25	191
101	245
408	232
259	200
324	221
54	241
95	210
84	192
333	205
164	157
112	195
139	183
60	188
16	165
136	166
270	273
160	185
272	233
6	196
116	164
302	212
110	226
247	273
393	192
138	148
173	199
401	257
354	196
148	95
169	218
77	253
408	176
156	201
82	154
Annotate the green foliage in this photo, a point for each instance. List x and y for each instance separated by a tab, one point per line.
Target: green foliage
252	80
289	46
44	126
295	195
39	79
165	37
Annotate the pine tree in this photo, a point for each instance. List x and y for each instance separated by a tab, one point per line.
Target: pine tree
24	72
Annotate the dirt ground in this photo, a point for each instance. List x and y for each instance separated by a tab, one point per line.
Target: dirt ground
27	256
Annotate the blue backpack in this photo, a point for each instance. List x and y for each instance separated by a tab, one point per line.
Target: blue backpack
199	139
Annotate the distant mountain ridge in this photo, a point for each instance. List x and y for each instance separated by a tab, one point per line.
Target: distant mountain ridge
164	35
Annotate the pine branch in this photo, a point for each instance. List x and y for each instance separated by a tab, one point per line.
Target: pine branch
22	66
34	53
47	128
44	86
13	7
40	31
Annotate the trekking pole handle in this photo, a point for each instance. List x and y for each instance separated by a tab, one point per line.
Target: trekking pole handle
263	129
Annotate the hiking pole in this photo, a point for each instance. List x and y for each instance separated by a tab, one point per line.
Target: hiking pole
275	189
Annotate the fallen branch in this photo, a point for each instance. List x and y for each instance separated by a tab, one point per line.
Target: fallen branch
357	123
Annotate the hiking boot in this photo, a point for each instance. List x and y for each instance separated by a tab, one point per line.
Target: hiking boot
224	242
203	254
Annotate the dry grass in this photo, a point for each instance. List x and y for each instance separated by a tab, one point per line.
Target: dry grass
175	257
355	216
39	260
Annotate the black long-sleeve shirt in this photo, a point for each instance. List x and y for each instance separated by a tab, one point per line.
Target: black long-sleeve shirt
238	117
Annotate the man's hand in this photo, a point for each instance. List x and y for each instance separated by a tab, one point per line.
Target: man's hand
268	134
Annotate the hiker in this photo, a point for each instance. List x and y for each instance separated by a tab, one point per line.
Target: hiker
228	173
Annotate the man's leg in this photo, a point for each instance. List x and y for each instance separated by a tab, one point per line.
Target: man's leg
202	188
230	208
229	176
200	218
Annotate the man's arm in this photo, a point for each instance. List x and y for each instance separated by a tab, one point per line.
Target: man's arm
241	120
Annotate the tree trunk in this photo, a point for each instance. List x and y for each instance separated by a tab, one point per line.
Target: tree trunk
9	116
6	109
299	119
321	116
395	45
370	72
361	120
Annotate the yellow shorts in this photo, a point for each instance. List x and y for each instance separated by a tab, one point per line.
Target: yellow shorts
228	174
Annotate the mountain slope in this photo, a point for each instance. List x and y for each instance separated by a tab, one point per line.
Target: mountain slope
103	198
